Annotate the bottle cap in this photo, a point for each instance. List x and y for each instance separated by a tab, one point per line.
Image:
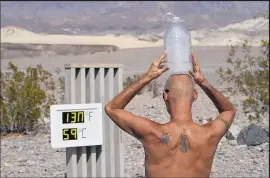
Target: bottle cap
177	19
171	18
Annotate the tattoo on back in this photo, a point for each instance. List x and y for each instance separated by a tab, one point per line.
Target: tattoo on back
184	143
164	139
225	122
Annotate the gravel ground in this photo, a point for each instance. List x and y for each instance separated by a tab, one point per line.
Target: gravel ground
32	156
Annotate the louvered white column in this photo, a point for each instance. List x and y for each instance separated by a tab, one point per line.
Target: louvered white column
95	83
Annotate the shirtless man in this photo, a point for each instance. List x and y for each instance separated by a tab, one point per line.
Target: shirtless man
179	148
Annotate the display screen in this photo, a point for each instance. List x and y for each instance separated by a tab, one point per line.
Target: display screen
73	117
70	134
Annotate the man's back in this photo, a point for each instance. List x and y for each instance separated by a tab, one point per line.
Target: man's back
184	149
179	150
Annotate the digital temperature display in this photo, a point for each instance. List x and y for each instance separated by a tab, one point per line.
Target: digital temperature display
72	117
76	125
70	134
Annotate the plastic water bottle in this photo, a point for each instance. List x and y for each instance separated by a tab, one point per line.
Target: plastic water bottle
177	43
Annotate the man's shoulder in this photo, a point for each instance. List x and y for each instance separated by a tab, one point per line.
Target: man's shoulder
153	130
210	132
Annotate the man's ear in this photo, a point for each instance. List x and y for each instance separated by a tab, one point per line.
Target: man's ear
165	96
195	95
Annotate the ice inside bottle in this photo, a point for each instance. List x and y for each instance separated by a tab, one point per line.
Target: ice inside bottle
177	43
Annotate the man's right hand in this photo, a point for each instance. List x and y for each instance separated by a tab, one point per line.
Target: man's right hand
196	73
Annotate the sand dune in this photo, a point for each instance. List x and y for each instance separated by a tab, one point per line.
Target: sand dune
230	34
11	34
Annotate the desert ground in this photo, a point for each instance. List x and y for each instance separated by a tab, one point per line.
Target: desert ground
37	158
134	60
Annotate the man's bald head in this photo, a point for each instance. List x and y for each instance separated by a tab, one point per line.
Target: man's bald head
179	88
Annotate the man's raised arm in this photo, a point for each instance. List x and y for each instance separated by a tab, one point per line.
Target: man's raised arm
226	110
134	125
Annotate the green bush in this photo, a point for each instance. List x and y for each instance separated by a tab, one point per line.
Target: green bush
249	76
26	97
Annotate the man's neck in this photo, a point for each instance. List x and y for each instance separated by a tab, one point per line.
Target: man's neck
181	112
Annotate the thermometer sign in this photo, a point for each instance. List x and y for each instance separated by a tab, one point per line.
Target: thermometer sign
75	125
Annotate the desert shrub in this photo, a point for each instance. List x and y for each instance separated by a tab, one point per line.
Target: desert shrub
129	80
61	90
26	97
153	87
61	84
249	76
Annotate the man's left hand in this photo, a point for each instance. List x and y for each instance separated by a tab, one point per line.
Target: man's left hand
156	68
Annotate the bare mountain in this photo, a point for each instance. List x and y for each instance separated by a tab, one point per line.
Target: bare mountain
122	16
